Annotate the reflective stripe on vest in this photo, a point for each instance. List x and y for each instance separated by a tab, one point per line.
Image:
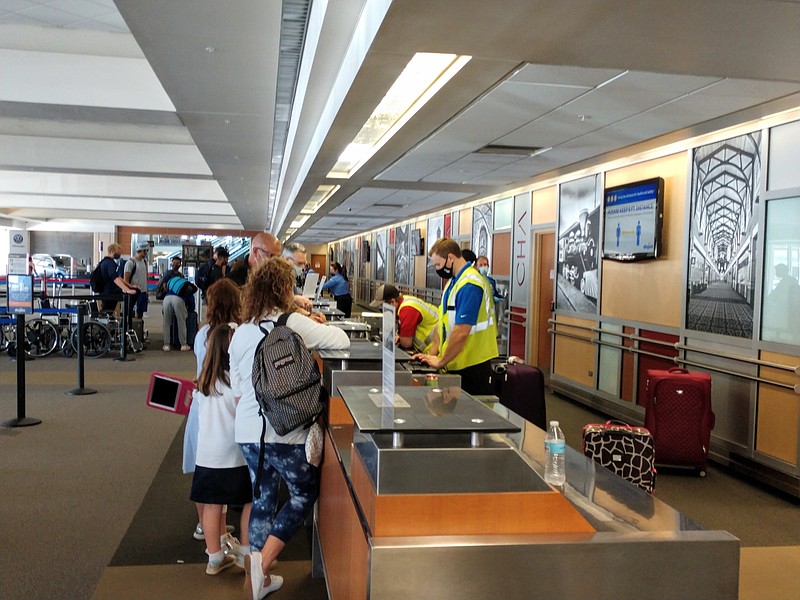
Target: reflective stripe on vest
481	344
430	317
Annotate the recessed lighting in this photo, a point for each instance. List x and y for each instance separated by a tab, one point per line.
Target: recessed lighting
210	49
424	75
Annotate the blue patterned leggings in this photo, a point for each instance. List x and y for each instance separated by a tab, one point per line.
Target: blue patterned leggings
287	461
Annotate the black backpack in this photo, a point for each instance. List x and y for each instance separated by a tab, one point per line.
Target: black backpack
201	276
96	281
287	383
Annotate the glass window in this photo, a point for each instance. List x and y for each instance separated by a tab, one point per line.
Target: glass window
780	314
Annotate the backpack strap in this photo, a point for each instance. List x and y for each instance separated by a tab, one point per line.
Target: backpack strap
262	443
284	318
261	452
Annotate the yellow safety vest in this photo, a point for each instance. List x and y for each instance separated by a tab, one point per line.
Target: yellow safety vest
481	343
430	317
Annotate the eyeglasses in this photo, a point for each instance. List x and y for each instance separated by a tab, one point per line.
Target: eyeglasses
262	252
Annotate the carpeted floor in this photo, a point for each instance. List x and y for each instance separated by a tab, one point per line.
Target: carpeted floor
96	491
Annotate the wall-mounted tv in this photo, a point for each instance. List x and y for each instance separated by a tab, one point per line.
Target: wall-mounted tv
632	218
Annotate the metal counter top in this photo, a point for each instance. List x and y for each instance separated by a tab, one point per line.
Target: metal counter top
363	351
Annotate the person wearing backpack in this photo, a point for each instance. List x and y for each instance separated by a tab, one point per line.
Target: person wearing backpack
267	295
135	275
178	302
107	281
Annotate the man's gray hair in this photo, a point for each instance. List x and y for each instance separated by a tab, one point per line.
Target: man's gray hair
292	247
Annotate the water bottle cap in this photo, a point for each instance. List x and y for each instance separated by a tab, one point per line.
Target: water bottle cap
553	423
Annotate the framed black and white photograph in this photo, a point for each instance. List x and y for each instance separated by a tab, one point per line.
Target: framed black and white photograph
380	255
726	178
435	232
402	254
481	243
577	284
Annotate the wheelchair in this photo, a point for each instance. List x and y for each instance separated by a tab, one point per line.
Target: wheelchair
102	332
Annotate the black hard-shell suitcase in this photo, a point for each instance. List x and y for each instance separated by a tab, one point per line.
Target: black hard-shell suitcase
191	329
520	387
679	416
627	451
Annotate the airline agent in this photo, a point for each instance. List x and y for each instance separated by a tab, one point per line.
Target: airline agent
465	341
416	318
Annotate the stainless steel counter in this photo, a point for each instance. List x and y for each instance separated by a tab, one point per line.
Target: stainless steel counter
642	548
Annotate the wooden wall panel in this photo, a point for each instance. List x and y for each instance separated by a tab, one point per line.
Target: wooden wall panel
778	410
501	254
574	359
651	291
465	221
544	203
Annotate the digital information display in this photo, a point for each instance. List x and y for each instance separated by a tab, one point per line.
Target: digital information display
631	220
20	294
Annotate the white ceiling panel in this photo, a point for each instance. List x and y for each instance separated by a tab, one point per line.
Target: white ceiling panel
178	107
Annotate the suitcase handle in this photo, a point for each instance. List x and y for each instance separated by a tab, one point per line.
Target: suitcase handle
678	370
618	423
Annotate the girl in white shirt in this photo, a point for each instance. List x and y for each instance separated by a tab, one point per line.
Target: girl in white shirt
221	476
268	293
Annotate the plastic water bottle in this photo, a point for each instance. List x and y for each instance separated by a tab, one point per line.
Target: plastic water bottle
554	447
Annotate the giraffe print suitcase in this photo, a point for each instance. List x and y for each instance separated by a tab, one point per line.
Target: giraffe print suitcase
627	451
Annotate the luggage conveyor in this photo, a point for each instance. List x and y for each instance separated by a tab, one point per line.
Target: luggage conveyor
440	518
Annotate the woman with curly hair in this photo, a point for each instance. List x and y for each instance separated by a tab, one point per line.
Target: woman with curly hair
268	293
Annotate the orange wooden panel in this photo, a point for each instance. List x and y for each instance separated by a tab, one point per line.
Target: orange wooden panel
465	221
778	410
344	546
501	254
574	359
651	291
338	413
464	514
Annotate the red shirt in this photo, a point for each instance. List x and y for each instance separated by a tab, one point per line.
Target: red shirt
408	319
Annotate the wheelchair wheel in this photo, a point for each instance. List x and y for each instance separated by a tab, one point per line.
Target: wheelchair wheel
41	337
96	339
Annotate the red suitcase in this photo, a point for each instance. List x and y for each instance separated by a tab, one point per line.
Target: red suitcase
520	388
679	416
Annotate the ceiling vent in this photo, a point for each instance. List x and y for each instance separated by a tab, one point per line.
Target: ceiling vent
386	205
511	150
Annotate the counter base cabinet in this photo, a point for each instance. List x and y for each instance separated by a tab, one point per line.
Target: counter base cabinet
342	540
613	541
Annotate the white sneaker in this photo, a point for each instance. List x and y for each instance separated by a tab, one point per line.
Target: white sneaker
198	533
185	348
275	583
166	348
254	581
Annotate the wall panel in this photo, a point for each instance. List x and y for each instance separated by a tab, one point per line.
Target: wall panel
649	291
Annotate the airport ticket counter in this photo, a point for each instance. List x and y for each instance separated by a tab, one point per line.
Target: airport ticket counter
441	496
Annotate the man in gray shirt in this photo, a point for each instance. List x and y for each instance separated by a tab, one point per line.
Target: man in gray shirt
136	276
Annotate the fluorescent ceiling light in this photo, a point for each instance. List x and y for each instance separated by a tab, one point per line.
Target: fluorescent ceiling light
424	75
318	198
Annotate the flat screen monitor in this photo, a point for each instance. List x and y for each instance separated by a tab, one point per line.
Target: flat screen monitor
169	393
632	218
310	286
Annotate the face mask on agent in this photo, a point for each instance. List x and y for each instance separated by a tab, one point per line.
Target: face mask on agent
445	272
484	270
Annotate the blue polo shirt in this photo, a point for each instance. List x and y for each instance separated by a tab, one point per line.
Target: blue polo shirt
467	301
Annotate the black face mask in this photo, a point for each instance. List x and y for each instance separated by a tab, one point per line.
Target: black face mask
116	256
445	272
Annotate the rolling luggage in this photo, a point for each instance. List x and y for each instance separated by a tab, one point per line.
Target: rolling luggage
627	451
520	387
191	329
678	414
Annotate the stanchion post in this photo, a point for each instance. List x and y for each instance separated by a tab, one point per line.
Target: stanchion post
21	420
80	390
126	315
